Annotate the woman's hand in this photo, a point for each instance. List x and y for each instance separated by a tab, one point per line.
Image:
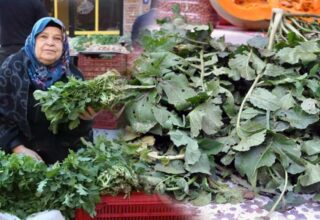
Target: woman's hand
20	149
90	114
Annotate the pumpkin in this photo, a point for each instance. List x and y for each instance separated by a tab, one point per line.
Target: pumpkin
255	14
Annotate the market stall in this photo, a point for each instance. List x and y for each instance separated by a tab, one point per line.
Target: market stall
228	131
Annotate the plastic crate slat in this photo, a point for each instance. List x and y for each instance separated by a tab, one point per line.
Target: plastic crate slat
138	206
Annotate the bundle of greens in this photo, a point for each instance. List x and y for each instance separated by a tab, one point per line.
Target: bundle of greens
64	102
220	111
28	186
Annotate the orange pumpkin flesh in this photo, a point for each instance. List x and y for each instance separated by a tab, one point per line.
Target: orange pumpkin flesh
255	14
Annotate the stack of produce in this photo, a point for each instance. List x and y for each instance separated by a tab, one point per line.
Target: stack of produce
28	186
219	112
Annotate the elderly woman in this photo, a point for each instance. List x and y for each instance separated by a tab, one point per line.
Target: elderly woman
42	61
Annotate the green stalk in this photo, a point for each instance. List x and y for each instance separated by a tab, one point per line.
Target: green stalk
301	27
245	98
274	25
276	21
281	195
202	71
268	119
294	30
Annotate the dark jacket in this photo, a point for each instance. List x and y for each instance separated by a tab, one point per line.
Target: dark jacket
23	122
17	18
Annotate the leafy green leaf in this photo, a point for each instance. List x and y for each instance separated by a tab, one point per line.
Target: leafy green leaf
201	166
298	118
248	163
206	117
174	167
180	138
304	52
178	91
311	175
253	140
264	99
311	147
240	64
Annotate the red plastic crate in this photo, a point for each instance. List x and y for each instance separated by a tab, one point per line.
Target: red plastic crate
139	206
105	120
92	65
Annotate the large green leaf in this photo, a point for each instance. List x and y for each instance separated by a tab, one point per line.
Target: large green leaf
166	119
249	128
248	163
258	64
201	166
210	146
206	117
203	198
288	150
304	52
180	138
274	70
298	118
250	113
311	147
178	91
174	167
311	175
264	99
253	140
310	106
240	64
140	115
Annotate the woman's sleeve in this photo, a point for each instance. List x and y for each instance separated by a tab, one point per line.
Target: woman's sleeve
12	103
10	136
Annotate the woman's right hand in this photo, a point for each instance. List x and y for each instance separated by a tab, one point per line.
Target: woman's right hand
20	149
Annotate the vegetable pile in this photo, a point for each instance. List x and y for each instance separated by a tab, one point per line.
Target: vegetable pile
220	111
81	43
28	186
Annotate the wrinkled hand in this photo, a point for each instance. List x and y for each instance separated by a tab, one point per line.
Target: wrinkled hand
20	149
90	114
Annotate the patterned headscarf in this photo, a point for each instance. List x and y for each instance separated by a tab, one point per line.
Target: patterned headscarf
41	75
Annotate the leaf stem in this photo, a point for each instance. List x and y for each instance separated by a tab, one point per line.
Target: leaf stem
281	195
202	71
268	120
244	101
274	25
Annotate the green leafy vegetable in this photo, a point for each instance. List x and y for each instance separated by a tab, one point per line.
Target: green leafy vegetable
65	102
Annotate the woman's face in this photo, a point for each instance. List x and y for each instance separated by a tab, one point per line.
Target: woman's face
49	45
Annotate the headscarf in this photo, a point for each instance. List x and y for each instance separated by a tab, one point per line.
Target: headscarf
41	75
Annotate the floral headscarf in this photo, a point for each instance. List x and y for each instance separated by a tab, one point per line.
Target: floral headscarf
41	75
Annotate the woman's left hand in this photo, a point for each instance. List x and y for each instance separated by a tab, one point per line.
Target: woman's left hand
90	114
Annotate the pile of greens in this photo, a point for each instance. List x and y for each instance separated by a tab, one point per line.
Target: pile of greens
28	186
220	111
80	43
64	102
